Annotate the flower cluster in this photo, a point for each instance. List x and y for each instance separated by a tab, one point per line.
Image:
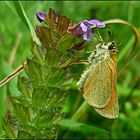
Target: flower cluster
84	28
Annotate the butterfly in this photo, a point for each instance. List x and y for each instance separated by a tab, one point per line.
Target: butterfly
98	82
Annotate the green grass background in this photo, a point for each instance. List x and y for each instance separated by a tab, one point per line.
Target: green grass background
128	87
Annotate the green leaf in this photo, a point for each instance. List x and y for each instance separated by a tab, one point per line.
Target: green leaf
10	132
33	71
29	128
51	18
24	135
52	57
36	50
62	25
65	42
3	97
44	34
57	118
81	127
55	77
39	97
44	119
56	97
23	100
21	112
23	87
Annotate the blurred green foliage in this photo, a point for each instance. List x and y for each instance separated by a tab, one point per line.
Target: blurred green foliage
128	87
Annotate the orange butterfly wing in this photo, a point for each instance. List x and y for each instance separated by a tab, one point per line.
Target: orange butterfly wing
111	110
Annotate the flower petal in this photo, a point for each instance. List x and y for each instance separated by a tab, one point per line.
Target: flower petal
41	16
87	35
95	22
84	27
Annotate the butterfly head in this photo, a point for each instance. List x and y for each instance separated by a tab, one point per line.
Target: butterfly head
104	50
109	46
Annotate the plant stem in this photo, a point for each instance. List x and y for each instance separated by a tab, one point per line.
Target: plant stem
81	110
12	75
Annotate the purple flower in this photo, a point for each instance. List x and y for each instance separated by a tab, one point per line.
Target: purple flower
41	16
85	29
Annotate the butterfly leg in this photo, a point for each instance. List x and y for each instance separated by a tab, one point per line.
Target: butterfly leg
92	56
85	62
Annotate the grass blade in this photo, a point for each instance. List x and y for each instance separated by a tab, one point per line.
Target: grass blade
19	10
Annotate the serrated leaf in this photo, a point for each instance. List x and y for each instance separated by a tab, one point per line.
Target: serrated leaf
65	42
23	100
52	57
39	97
62	25
29	128
24	135
33	70
21	112
36	50
44	34
23	87
10	132
44	119
55	77
81	127
56	97
51	18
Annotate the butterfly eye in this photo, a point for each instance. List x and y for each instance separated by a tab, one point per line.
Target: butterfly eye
111	46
